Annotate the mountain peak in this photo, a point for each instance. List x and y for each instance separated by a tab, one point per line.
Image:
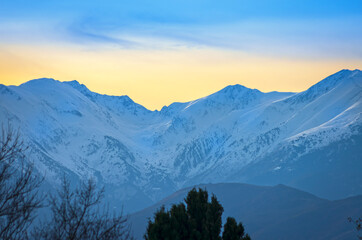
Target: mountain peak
334	79
73	82
234	89
39	82
234	94
113	102
76	85
343	74
347	71
345	78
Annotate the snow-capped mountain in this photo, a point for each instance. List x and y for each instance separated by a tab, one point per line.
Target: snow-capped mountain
311	140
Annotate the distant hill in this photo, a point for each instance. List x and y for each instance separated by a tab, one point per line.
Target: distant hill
277	212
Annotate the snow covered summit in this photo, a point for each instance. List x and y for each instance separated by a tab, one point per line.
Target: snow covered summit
310	140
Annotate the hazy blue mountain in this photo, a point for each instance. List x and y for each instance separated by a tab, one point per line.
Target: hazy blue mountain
277	212
310	140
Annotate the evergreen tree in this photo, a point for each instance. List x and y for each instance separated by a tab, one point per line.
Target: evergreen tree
234	230
160	228
213	219
200	220
179	222
197	205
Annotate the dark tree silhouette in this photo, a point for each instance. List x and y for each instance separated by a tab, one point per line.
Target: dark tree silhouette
179	221
234	230
19	186
213	218
79	214
200	220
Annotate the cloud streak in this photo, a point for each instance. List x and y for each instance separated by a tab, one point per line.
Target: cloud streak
318	28
321	38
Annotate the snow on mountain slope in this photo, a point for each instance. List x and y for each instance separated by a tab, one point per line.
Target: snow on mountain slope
145	154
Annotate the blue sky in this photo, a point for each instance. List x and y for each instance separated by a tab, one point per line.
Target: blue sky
276	27
158	51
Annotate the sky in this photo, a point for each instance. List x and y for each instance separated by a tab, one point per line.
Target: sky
159	52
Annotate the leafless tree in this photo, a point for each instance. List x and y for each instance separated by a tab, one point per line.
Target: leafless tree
79	214
19	186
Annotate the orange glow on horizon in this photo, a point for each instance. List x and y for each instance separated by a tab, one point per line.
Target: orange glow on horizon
155	78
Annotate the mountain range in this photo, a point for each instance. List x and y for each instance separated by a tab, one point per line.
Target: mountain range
310	140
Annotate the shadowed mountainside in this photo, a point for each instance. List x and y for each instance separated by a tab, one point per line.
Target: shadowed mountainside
277	212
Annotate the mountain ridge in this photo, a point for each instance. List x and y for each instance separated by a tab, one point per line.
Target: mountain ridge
83	89
137	152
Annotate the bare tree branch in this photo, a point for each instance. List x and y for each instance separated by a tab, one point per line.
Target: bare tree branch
78	214
19	186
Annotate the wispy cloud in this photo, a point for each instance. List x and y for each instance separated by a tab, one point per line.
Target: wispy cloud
290	28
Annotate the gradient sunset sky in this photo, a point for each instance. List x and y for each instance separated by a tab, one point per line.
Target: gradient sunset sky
158	51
